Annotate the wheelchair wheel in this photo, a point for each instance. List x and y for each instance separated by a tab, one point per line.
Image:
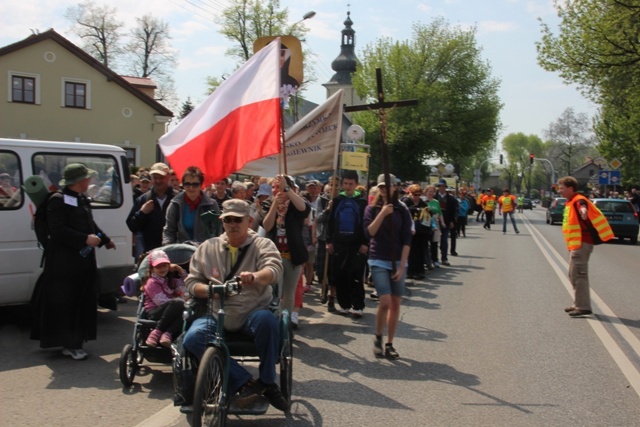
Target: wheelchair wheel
286	358
128	365
209	409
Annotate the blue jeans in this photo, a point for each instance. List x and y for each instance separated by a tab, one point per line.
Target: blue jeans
384	285
262	325
504	222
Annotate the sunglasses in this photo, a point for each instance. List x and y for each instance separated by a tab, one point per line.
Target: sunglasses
191	184
230	219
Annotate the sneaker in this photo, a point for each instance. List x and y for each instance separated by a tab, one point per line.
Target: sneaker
454	253
342	311
447	263
377	346
374	295
275	396
166	339
154	336
306	289
436	264
248	395
517	232
294	319
431	267
390	352
356	313
331	307
75	353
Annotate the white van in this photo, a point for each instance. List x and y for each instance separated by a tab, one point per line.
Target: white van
20	256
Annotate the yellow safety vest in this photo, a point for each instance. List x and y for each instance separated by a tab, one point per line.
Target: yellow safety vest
507	203
489	203
571	223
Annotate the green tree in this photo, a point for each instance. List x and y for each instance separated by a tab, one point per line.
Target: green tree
518	146
245	21
457	115
99	30
597	47
186	108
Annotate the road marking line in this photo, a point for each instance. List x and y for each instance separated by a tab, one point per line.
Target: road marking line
168	416
621	359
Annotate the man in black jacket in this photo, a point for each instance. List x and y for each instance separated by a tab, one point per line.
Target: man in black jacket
348	246
147	217
449	207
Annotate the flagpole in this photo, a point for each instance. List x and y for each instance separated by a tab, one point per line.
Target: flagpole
283	152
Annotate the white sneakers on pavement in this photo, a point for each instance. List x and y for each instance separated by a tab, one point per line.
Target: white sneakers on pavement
75	353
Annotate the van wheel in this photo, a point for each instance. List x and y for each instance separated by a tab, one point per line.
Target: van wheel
634	240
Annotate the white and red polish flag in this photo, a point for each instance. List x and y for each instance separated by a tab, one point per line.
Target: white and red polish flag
239	122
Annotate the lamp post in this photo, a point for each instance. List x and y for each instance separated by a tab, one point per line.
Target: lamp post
306	16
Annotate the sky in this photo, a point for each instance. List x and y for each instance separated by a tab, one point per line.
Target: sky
506	32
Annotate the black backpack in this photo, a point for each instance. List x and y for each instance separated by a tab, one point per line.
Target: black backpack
40	225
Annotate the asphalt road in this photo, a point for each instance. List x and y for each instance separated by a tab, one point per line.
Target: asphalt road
484	342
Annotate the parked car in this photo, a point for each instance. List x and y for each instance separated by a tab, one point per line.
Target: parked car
622	217
556	210
527	204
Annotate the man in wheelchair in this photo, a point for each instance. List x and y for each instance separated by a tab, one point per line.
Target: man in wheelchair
240	252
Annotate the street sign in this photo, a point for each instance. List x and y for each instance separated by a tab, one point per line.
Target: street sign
615	163
609	178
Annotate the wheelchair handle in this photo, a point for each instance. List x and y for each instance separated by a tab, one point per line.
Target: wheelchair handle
229	288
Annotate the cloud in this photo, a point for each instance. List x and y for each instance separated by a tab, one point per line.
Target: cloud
496	27
540	7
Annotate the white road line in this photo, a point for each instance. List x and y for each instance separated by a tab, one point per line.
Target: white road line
168	416
618	355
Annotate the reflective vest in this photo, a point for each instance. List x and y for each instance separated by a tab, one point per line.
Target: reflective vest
520	200
507	203
571	223
489	202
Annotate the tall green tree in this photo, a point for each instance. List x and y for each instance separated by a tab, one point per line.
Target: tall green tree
518	146
457	115
597	47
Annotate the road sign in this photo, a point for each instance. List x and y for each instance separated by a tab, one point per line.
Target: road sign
609	178
615	163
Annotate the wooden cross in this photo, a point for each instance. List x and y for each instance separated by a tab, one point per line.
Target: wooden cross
382	117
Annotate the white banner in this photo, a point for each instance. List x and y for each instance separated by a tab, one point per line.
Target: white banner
312	143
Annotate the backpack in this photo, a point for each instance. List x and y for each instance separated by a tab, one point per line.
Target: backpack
347	215
40	225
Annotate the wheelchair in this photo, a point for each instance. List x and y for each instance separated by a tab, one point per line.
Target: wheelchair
134	354
211	401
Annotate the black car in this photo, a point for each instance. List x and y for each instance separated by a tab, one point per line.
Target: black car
527	204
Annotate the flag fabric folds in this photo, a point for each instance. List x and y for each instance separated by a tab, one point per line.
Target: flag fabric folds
239	122
311	144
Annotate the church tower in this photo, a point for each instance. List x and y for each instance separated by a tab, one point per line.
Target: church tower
344	66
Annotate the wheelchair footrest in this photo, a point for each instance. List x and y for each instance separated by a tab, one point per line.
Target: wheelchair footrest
186	409
260	407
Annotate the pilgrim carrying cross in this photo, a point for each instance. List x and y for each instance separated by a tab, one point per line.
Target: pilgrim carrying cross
382	117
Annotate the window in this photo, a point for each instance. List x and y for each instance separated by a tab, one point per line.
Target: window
105	187
23	89
75	95
10	179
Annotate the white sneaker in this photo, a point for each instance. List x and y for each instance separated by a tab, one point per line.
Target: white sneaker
436	264
75	353
356	313
294	319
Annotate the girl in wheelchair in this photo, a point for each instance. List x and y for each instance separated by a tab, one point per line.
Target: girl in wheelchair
164	297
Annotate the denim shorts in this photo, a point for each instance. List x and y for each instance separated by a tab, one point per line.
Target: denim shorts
382	281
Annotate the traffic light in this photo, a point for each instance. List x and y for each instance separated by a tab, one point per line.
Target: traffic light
500	158
531	157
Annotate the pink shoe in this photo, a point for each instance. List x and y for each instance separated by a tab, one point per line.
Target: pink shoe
165	339
154	336
306	289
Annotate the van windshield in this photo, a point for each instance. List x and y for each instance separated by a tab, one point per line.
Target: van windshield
105	189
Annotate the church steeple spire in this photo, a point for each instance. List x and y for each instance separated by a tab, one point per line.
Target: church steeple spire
345	64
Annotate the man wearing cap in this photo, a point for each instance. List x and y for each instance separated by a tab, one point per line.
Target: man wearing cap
489	201
149	210
449	208
64	300
240	252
